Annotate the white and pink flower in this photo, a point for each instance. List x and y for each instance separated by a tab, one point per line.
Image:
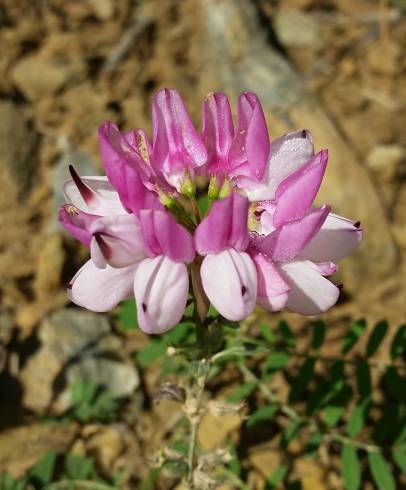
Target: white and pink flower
261	242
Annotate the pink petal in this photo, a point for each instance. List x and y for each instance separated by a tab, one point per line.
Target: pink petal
325	268
337	238
163	236
311	293
272	292
161	288
287	154
230	282
176	144
126	169
225	226
77	223
295	195
101	289
117	241
250	149
103	199
218	131
286	242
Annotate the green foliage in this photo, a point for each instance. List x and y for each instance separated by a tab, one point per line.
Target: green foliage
353	335
329	400
45	475
381	471
91	402
127	315
350	467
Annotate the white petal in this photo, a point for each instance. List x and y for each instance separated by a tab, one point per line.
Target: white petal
161	289
337	238
230	281
101	289
311	293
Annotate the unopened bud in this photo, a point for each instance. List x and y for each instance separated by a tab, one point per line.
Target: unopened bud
167	200
214	188
188	187
226	189
171	351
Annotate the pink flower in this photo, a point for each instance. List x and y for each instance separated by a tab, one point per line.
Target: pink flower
262	244
298	244
235	153
228	273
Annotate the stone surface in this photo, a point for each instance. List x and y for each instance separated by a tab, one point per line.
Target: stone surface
214	431
297	29
22	447
75	345
105	446
37	76
17	144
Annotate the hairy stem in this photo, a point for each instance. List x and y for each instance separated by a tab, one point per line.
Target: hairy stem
195	412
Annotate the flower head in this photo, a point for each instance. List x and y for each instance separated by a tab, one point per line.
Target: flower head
261	241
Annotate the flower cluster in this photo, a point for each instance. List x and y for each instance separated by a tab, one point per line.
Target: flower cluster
260	242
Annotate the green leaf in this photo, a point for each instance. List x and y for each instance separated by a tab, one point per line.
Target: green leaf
399	456
151	352
389	425
78	467
398	346
302	380
363	375
262	414
353	334
267	333
276	477
325	391
376	338
313	443
151	480
319	334
350	467
291	431
179	334
127	315
276	360
43	471
242	392
395	384
358	417
82	391
234	464
381	471
287	334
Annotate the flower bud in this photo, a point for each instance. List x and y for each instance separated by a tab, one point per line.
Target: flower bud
214	188
188	187
226	189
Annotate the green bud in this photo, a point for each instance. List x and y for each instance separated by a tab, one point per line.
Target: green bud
226	189
214	189
188	187
167	200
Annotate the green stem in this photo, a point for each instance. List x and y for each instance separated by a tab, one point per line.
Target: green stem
294	416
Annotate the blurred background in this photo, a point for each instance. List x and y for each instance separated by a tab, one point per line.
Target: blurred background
336	67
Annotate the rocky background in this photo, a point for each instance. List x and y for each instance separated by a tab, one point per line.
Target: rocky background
336	67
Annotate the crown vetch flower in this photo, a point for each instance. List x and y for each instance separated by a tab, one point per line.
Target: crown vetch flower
261	242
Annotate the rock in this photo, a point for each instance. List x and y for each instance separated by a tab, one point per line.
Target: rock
265	459
295	29
75	345
17	146
50	265
37	77
106	446
22	447
384	161
103	9
214	431
383	57
310	474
